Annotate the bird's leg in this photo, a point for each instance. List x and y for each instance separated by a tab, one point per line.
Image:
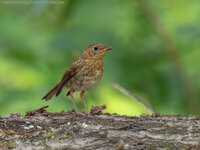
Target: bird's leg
71	94
82	97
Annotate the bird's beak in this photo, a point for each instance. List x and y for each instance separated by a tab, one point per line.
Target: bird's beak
108	48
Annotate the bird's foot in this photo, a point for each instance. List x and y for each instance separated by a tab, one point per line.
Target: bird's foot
79	114
83	114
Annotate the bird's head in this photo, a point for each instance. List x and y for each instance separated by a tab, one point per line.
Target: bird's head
95	51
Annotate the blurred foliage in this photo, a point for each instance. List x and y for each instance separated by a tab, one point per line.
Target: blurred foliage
39	41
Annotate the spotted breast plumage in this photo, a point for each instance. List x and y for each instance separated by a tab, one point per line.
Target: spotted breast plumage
83	73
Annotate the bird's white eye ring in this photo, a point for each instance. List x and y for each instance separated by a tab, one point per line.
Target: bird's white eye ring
95	48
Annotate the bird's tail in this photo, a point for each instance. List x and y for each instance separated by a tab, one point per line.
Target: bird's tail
51	93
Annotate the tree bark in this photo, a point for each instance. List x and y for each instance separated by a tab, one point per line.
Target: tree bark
69	130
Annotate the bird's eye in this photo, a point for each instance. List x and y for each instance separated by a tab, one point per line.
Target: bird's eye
95	48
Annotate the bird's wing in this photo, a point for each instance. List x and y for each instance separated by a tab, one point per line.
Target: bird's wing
71	72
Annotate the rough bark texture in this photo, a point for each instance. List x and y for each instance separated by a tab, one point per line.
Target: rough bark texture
67	130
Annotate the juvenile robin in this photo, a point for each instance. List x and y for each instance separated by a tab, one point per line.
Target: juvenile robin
83	73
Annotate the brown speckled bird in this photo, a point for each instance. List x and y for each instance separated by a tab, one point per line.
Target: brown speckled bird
83	74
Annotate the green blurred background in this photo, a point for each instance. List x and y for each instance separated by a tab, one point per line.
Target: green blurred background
156	53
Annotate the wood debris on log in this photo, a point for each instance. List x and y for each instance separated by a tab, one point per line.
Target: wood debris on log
66	130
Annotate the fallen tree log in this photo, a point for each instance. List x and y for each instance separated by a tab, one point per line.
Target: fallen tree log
69	130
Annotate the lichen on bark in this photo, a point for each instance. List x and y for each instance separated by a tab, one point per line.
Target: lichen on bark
69	130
